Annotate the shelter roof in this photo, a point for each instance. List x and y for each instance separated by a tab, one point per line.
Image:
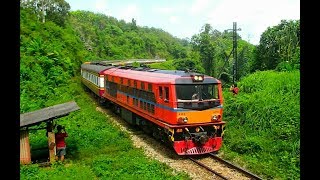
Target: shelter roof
48	113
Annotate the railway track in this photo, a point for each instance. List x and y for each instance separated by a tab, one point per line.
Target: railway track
244	172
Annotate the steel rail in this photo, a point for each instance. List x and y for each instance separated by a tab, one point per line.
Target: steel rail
207	168
235	167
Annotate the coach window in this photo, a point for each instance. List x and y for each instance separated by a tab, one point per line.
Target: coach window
138	93
142	85
152	108
136	102
135	83
148	107
125	89
129	82
166	91
141	105
121	80
149	87
144	106
160	92
130	89
144	94
107	85
134	92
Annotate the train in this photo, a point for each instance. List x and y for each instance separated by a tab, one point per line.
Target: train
183	109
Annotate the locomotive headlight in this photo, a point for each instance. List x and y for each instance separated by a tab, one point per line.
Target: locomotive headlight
197	78
216	118
182	120
185	119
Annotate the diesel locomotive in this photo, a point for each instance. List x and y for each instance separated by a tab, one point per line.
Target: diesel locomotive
181	108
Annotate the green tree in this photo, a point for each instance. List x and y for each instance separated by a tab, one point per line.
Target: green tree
202	42
53	10
279	45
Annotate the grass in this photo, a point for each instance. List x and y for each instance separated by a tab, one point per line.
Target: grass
263	124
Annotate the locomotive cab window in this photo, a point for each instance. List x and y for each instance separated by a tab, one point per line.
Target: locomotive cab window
197	92
160	92
166	92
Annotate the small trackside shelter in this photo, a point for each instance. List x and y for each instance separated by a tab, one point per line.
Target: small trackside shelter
37	117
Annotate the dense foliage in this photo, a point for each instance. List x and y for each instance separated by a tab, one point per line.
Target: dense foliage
49	56
264	123
108	38
279	47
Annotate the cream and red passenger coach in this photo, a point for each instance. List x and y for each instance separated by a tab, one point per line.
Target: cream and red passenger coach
92	77
181	108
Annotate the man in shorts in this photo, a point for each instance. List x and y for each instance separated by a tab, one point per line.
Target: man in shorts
60	143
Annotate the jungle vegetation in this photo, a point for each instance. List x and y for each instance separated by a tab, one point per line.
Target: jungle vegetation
263	120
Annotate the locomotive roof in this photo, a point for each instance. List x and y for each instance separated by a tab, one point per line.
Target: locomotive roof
156	75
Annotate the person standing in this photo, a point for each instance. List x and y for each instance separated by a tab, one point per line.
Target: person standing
234	89
60	143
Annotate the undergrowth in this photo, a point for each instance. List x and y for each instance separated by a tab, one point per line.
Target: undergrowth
263	124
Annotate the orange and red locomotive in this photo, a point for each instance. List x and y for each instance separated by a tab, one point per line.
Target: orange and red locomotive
181	108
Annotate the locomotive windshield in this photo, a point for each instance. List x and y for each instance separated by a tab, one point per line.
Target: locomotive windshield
197	92
199	96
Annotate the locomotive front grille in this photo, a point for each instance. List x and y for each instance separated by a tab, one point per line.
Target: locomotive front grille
199	150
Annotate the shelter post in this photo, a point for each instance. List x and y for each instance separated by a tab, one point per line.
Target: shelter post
25	154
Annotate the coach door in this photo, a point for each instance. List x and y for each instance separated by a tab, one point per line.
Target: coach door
163	101
166	96
160	101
